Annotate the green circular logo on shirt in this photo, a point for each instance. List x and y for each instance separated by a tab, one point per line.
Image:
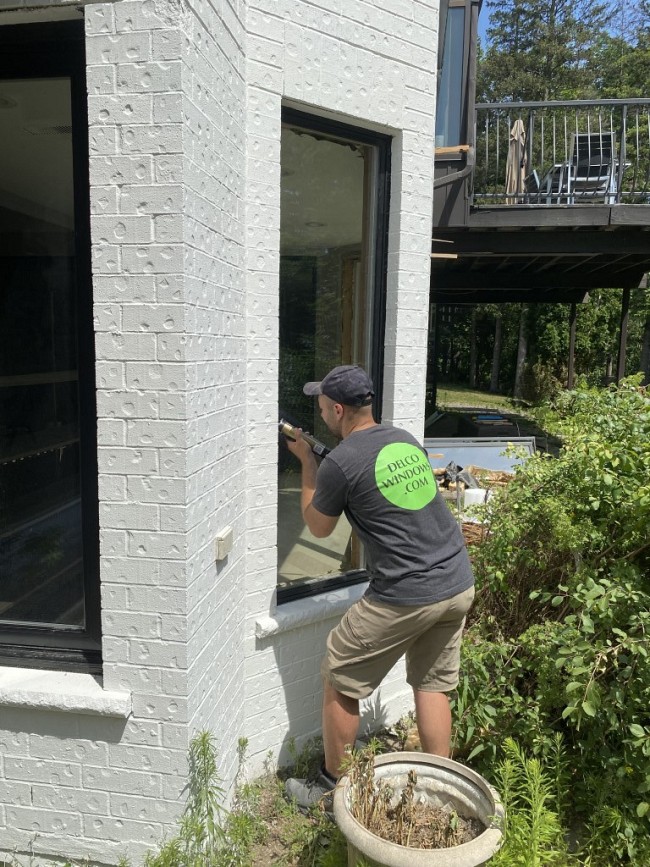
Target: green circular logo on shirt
404	476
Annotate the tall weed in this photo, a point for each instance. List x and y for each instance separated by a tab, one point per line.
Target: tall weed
533	833
209	835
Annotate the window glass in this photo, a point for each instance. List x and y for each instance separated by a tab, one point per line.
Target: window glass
449	111
41	554
326	254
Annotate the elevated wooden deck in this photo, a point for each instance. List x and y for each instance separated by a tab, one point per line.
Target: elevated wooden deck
532	253
547	214
559	216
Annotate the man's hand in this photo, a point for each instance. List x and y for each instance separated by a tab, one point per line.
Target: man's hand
301	448
319	525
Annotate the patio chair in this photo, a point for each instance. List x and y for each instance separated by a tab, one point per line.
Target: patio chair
554	186
531	187
593	167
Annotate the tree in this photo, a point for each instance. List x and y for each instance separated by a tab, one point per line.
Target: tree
565	49
540	49
621	66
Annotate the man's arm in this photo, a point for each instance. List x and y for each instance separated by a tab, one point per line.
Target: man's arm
319	525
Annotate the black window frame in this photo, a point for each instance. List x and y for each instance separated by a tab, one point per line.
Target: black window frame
54	50
383	143
468	83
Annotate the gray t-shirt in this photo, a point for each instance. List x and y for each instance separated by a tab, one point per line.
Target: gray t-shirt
381	478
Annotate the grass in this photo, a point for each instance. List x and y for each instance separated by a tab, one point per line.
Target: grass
459	395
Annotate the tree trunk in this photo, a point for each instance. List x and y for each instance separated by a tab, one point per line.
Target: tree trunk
644	361
622	335
645	352
522	351
496	354
572	346
472	350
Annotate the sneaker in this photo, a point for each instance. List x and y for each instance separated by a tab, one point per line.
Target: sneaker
308	794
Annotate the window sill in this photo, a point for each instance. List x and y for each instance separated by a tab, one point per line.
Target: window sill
61	691
313	609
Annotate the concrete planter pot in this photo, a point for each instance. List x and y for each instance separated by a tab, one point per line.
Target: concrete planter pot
441	782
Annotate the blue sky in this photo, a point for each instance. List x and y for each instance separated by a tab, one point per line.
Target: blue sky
483	21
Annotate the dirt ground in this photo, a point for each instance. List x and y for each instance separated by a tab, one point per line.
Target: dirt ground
291	839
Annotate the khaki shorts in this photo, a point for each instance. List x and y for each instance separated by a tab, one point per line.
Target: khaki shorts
372	636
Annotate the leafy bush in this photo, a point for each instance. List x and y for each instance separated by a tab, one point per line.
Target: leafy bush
560	637
539	383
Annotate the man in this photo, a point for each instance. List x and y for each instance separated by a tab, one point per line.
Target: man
421	584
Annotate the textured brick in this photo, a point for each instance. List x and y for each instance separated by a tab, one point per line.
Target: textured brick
127	109
119	780
120	170
156	199
144	809
151	138
99	19
133	15
148	77
120	345
100	79
102	140
72	799
42	821
133	516
123	461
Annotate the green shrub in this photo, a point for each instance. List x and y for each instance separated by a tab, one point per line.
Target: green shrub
560	639
539	383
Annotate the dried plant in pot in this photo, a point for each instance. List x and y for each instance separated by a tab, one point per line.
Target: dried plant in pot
395	808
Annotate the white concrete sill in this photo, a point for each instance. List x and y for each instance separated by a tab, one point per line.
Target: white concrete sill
313	609
61	691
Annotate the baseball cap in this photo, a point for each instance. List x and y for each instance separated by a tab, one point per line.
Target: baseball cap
348	384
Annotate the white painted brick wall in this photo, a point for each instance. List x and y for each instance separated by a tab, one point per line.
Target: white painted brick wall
169	293
184	111
371	65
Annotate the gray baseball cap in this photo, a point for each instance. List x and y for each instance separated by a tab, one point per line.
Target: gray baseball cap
348	384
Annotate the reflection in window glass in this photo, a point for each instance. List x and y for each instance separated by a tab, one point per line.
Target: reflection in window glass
450	93
41	561
326	227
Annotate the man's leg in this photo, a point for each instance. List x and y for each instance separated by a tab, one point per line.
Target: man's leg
432	665
340	726
434	721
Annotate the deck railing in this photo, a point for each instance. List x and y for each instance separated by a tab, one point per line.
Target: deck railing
562	153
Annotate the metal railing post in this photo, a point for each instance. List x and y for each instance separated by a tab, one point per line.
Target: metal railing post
622	155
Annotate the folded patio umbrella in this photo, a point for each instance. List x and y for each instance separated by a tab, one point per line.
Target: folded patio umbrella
516	163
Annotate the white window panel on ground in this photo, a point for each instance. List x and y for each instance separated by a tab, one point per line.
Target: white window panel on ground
501	454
